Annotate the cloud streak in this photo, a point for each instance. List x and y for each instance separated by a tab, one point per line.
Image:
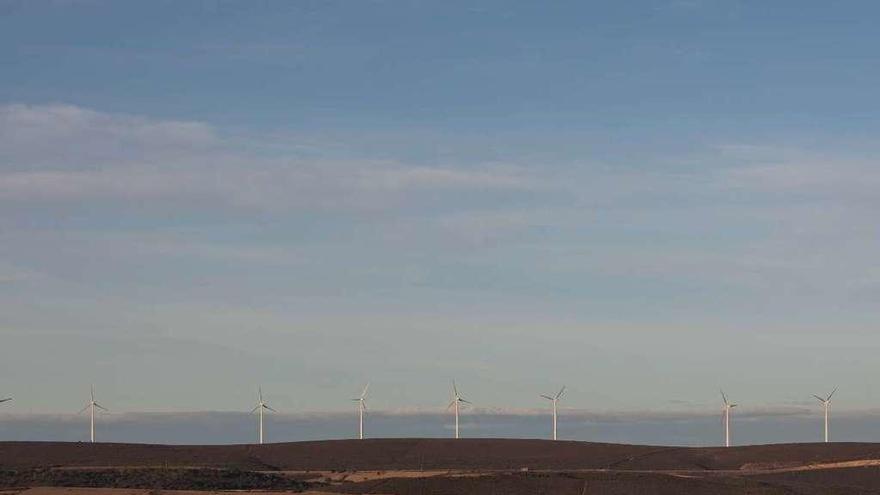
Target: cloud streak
62	153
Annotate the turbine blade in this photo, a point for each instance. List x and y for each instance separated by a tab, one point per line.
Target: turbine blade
465	401
832	393
269	408
255	408
84	409
820	399
547	397
99	406
450	405
724	397
561	391
732	406
261	393
93	393
6	399
364	405
364	393
454	388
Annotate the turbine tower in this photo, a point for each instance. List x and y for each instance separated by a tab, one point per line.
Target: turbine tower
91	406
260	406
362	406
555	401
826	404
456	401
725	415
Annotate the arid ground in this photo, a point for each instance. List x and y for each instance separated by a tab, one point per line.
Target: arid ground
437	466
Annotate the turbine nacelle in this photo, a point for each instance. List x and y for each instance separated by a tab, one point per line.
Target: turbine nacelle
556	397
262	404
92	402
362	400
727	405
826	400
456	397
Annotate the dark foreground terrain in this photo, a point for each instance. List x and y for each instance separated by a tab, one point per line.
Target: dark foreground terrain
439	466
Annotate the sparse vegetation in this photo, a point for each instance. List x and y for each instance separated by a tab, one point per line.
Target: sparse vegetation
466	467
154	479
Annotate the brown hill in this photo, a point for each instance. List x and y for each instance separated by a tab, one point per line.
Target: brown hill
424	454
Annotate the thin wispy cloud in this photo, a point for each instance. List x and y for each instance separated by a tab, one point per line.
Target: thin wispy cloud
98	156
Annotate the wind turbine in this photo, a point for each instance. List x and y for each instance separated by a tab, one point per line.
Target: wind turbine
725	415
260	406
826	404
362	406
554	400
92	405
456	401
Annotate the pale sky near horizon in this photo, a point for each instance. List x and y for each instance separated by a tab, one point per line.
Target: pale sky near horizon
645	201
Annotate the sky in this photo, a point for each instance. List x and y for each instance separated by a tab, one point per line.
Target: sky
643	201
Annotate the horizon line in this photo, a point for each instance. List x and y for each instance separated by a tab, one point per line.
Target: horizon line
622	415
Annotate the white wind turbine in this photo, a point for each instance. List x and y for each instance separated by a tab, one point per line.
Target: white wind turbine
826	404
260	406
92	405
362	406
456	401
725	415
555	401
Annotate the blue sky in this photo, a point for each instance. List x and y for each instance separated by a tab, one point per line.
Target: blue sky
646	202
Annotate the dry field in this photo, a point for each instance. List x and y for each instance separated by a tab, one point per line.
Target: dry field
438	466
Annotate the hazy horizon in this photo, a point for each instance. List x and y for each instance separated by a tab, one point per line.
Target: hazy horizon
213	428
